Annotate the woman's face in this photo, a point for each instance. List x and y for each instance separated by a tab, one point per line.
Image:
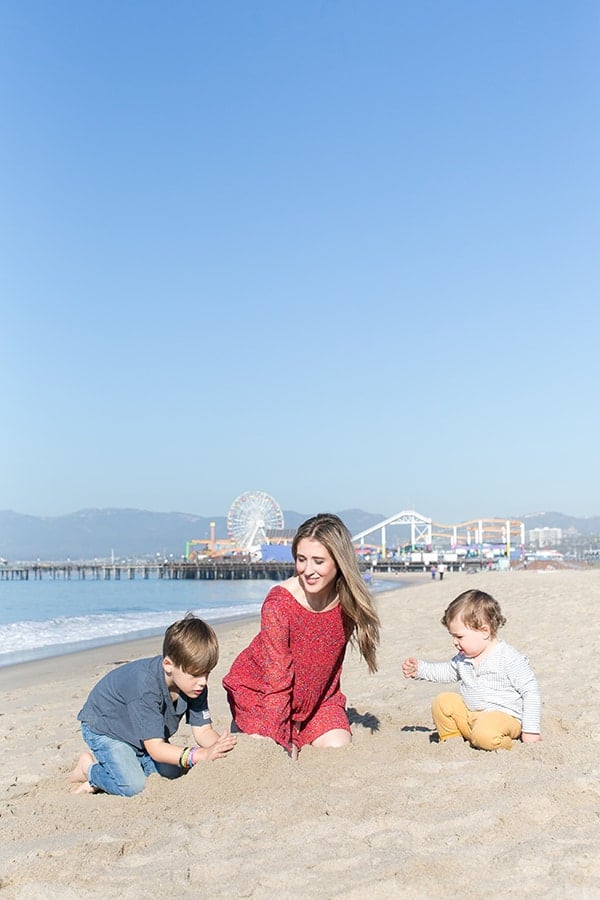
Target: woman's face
315	566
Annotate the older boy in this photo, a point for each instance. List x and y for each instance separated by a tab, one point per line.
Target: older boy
132	712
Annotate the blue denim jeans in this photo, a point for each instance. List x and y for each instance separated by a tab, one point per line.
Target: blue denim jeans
119	769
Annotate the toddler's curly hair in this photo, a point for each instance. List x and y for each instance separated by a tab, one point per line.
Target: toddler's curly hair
476	609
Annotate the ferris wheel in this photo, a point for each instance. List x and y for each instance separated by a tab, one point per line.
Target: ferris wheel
250	516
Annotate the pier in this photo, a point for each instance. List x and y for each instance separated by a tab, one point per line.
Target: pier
399	566
204	570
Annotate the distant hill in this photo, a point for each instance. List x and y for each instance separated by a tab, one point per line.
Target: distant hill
135	533
124	533
587	525
101	533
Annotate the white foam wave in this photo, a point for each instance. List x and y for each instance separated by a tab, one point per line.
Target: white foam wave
21	641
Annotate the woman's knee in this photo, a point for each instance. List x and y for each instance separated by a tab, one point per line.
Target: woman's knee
334	739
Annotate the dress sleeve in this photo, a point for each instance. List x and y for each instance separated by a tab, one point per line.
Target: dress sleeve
278	671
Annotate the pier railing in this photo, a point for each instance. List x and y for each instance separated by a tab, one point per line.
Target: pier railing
200	570
204	570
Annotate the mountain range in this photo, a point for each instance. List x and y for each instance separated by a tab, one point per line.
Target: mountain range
135	533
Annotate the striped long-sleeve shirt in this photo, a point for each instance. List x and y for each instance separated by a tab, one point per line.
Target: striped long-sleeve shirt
503	680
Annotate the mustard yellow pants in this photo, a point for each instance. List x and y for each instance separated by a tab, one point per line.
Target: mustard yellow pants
488	730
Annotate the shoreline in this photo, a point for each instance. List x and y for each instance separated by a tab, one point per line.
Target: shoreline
34	670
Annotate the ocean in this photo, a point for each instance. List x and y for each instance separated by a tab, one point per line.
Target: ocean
51	617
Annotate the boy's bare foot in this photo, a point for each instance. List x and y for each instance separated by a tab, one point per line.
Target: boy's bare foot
85	788
79	775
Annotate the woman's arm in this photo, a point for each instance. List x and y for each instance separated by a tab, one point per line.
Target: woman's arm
278	673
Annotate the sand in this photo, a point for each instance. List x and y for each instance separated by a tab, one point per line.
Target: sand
394	815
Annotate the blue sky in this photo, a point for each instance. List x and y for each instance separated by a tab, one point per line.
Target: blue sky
345	253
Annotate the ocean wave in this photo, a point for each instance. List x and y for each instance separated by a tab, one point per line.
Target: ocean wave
27	640
72	616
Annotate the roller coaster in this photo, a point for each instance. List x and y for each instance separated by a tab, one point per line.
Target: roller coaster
424	532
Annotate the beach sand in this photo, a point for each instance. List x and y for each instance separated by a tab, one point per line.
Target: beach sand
394	815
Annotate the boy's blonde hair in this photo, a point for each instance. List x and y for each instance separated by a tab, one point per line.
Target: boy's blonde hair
477	609
191	645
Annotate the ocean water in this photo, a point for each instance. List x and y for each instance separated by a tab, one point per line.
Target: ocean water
51	617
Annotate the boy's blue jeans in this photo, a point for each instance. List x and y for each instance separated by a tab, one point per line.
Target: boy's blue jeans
118	768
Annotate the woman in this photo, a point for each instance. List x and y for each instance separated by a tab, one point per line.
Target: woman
286	684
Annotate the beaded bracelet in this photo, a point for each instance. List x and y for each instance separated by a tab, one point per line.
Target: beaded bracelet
186	760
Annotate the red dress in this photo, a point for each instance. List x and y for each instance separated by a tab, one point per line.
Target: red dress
286	684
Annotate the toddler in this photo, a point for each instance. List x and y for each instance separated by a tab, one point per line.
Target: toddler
499	699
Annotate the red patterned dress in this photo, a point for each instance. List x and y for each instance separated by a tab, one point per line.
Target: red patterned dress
286	684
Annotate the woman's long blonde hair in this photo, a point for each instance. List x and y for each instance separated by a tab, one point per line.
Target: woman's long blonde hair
354	596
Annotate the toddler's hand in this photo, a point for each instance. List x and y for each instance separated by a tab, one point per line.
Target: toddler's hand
528	737
409	667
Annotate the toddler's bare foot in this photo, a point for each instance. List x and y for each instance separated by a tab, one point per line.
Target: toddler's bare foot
79	775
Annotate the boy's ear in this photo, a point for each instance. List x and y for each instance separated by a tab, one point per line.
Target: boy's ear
168	665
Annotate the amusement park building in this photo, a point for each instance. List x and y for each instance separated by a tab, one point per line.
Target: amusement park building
425	533
545	537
